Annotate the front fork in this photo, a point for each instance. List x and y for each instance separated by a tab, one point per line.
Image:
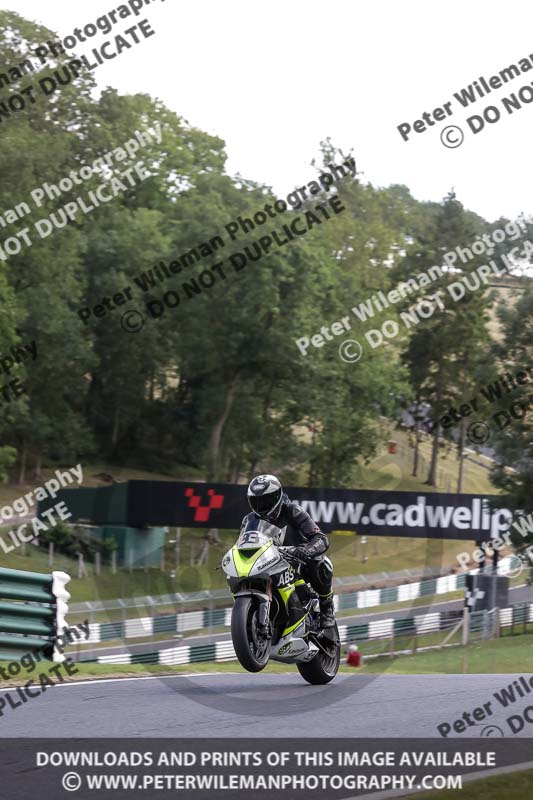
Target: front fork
264	628
263	613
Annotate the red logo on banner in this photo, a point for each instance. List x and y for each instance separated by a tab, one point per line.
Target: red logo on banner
202	512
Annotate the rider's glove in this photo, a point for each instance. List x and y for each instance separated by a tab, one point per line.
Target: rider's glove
315	547
301	552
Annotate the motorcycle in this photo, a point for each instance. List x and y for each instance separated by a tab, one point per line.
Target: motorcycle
276	614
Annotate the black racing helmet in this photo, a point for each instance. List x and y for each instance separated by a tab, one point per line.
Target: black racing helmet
265	494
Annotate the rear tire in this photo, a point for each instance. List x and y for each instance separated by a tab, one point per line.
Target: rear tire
322	669
251	655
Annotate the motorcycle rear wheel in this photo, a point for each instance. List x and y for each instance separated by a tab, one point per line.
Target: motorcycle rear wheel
323	668
252	652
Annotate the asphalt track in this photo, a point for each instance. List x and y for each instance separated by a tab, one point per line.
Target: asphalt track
521	594
235	705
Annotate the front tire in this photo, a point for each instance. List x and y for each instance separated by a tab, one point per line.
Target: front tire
252	652
323	668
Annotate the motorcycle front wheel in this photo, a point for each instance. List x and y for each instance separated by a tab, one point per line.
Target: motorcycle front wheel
252	650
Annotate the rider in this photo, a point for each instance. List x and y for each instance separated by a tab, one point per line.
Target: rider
268	501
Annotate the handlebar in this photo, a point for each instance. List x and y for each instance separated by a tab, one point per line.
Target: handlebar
287	552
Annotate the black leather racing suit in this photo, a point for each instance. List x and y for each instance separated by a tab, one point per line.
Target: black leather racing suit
301	531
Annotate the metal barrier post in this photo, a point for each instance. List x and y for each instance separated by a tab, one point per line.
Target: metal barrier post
42	613
466	625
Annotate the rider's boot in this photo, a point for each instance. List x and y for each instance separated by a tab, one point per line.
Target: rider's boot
327	611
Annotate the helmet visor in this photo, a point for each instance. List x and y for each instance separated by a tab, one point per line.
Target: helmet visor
265	503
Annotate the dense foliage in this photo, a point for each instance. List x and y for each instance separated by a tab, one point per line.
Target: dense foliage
216	384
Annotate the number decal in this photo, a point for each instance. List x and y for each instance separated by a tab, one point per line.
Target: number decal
250	537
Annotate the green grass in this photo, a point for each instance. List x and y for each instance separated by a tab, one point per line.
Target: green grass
393	471
512	654
514	786
384	554
508	654
94	671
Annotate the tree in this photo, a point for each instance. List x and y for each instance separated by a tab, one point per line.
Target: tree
444	350
513	472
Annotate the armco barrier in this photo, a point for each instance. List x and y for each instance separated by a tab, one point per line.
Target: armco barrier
399	594
221	617
164	623
89	607
379	629
37	617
